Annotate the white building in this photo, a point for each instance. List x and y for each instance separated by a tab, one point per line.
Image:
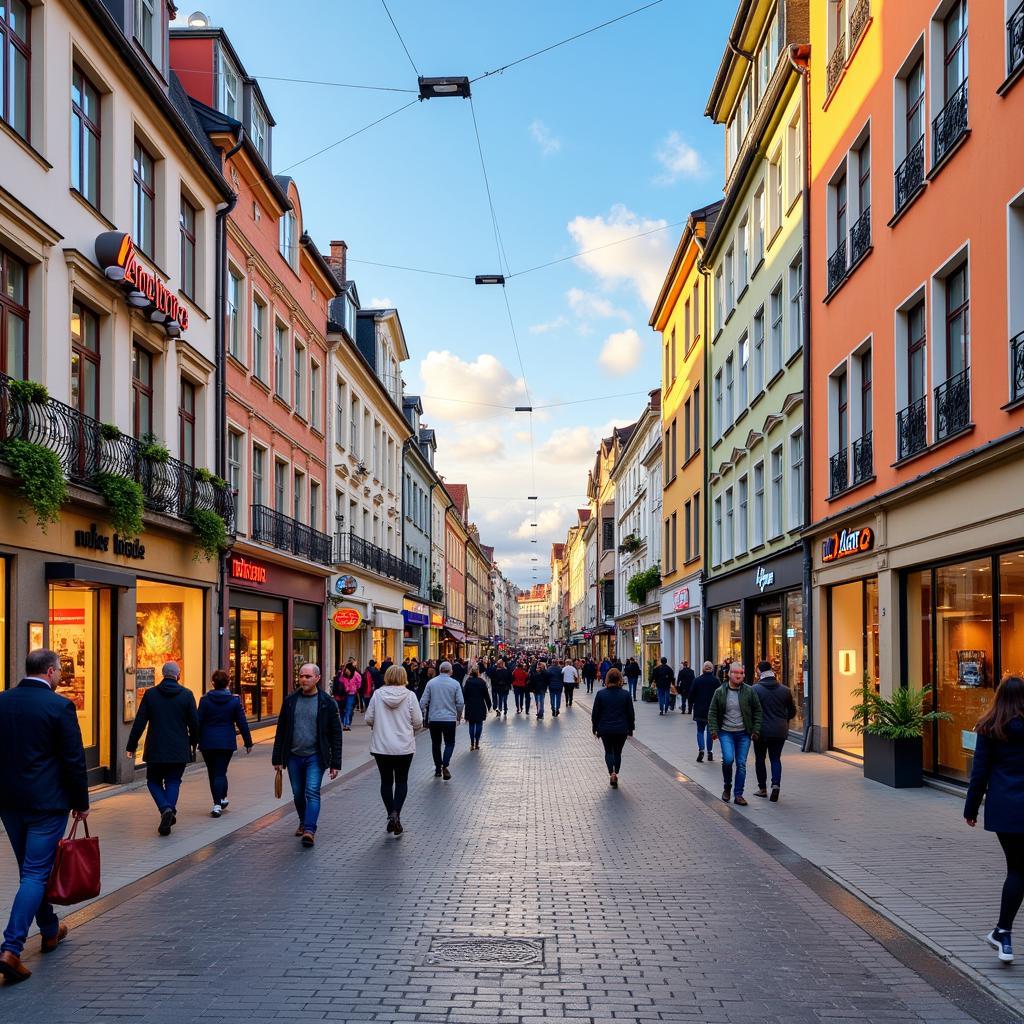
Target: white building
532	620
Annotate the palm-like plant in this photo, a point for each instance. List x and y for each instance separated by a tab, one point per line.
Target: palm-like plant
900	717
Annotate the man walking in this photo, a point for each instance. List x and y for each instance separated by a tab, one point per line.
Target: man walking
570	679
501	683
735	718
458	673
701	692
42	778
603	669
555	685
589	674
664	677
779	710
520	677
308	743
442	706
169	710
683	683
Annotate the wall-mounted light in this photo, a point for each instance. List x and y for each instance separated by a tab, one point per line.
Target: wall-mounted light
847	663
138	300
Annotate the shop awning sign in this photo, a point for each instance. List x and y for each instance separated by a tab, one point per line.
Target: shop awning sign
347	619
245	569
846	543
681	599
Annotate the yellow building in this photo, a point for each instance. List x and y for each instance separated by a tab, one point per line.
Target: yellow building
681	317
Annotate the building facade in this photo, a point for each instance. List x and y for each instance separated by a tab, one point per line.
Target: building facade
532	618
453	641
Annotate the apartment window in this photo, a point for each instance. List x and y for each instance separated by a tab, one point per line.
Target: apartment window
716	533
758	523
718	425
666	374
687	528
314	393
759	226
286	238
280	360
915	104
957	321
842	391
796	479
865	394
314	505
298	495
187	228
15	60
687	335
796	304
775	187
718	300
729	529
796	152
235	291
674	549
775	339
148	28
730	281
743	239
13	316
687	440
757	362
260	132
259	459
85	136
741	519
340	409
744	358
696	526
235	463
608	533
673	352
840	191
730	370
187	423
227	85
916	345
353	435
85	360
696	418
280	486
667	453
259	344
864	177
142	391
143	199
675	461
954	32
776	492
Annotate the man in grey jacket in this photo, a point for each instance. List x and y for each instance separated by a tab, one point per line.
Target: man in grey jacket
442	704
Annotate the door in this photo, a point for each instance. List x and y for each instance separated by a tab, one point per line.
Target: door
768	639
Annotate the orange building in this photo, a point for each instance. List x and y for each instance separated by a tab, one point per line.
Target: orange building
274	344
917	361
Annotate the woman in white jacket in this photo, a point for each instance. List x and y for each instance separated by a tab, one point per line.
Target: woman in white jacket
394	716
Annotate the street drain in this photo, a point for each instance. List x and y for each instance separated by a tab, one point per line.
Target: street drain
482	953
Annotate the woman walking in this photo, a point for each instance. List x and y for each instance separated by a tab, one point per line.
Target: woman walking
999	772
345	691
478	704
394	715
219	712
613	719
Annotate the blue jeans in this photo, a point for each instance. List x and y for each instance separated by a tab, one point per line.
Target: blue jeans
475	731
34	838
735	747
164	784
664	695
521	698
539	697
346	712
556	698
501	700
305	773
633	682
702	728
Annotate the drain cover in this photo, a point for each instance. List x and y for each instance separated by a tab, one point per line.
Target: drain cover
487	953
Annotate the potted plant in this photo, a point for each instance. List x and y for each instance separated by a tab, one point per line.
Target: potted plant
893	731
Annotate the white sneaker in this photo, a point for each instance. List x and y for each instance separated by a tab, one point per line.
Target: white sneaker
224	805
1001	942
215	811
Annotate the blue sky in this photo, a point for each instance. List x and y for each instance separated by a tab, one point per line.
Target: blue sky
594	141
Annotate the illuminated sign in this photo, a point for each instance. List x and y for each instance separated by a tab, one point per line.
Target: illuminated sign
846	543
93	541
436	620
251	572
763	578
346	585
347	619
681	599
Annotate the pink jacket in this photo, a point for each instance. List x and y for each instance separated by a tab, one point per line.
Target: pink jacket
352	683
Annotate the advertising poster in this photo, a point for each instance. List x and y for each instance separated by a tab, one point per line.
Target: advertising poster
68	639
159	638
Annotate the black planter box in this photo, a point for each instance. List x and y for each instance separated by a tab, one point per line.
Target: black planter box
649	694
895	763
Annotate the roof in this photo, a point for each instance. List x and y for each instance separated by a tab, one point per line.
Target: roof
706	216
460	495
488	551
558	550
584	514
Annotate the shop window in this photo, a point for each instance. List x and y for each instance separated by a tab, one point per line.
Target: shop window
727	633
305	637
255	666
793	675
169	627
853	631
1011	613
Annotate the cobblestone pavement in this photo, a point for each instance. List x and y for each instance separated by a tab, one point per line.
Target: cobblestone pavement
641	904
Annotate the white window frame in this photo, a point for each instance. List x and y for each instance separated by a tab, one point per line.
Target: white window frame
776	508
796	478
742	515
759	495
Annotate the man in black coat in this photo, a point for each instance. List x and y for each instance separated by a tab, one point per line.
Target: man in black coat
501	685
42	778
779	709
171	740
701	692
663	678
308	743
590	674
683	683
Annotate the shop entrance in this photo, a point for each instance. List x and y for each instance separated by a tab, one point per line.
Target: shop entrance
768	638
305	637
256	648
853	656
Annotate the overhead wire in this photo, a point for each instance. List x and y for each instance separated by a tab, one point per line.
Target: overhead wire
412	270
400	39
310	81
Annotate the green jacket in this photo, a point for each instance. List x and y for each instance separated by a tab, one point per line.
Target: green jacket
750	708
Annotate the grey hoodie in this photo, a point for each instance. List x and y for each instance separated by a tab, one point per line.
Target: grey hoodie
442	700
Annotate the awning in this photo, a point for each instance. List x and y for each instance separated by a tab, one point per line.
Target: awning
454	634
388	620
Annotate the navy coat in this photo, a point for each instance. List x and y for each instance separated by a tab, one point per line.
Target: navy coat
478	700
702	689
42	763
219	712
555	681
613	713
999	772
170	712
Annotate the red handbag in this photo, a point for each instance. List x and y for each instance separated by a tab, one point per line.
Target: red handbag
76	868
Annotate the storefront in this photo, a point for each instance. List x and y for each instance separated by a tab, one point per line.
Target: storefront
680	623
275	625
756	613
415	636
627	637
434	634
453	639
650	635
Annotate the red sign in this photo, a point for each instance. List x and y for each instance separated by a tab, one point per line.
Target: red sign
681	599
347	619
116	249
67	616
846	543
251	572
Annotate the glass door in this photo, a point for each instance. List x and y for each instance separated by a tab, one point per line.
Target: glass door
768	639
255	645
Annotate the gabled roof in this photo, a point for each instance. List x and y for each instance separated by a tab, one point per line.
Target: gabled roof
460	495
558	550
488	551
584	514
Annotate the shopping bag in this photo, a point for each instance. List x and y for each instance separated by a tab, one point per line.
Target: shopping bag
76	868
278	783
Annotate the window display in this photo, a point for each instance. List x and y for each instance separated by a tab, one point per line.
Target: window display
795	665
168	627
256	645
727	628
1011	613
305	649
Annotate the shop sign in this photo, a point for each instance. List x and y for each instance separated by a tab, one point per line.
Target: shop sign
67	616
93	541
451	623
344	586
347	619
846	543
415	613
681	599
436	620
763	578
115	253
244	569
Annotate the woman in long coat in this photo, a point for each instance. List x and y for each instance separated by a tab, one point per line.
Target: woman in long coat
478	703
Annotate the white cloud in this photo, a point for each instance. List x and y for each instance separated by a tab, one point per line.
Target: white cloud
570	444
640	262
454	389
476	446
679	160
587	305
541	134
386	303
550	325
621	353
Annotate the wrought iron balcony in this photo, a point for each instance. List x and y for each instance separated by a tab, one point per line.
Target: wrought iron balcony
85	449
951	124
863	458
953	405
860	237
286	534
838	477
352	549
859	17
1015	39
910	175
912	428
837	267
1017	360
835	65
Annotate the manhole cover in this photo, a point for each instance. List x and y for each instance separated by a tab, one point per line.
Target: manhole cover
486	953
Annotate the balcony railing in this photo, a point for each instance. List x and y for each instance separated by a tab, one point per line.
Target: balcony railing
837	267
863	459
910	175
1015	40
860	237
1017	359
171	487
352	549
953	405
835	65
286	534
912	428
951	124
859	17
838	477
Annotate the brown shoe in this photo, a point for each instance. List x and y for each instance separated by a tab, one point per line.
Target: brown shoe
761	792
741	801
300	831
49	945
12	969
398	826
307	839
726	793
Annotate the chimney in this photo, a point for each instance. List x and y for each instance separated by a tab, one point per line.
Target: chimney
339	260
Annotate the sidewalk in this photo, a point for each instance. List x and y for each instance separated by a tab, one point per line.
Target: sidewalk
126	820
906	853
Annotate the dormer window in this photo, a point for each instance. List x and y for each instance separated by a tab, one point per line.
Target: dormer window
148	28
227	85
350	316
287	241
260	132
